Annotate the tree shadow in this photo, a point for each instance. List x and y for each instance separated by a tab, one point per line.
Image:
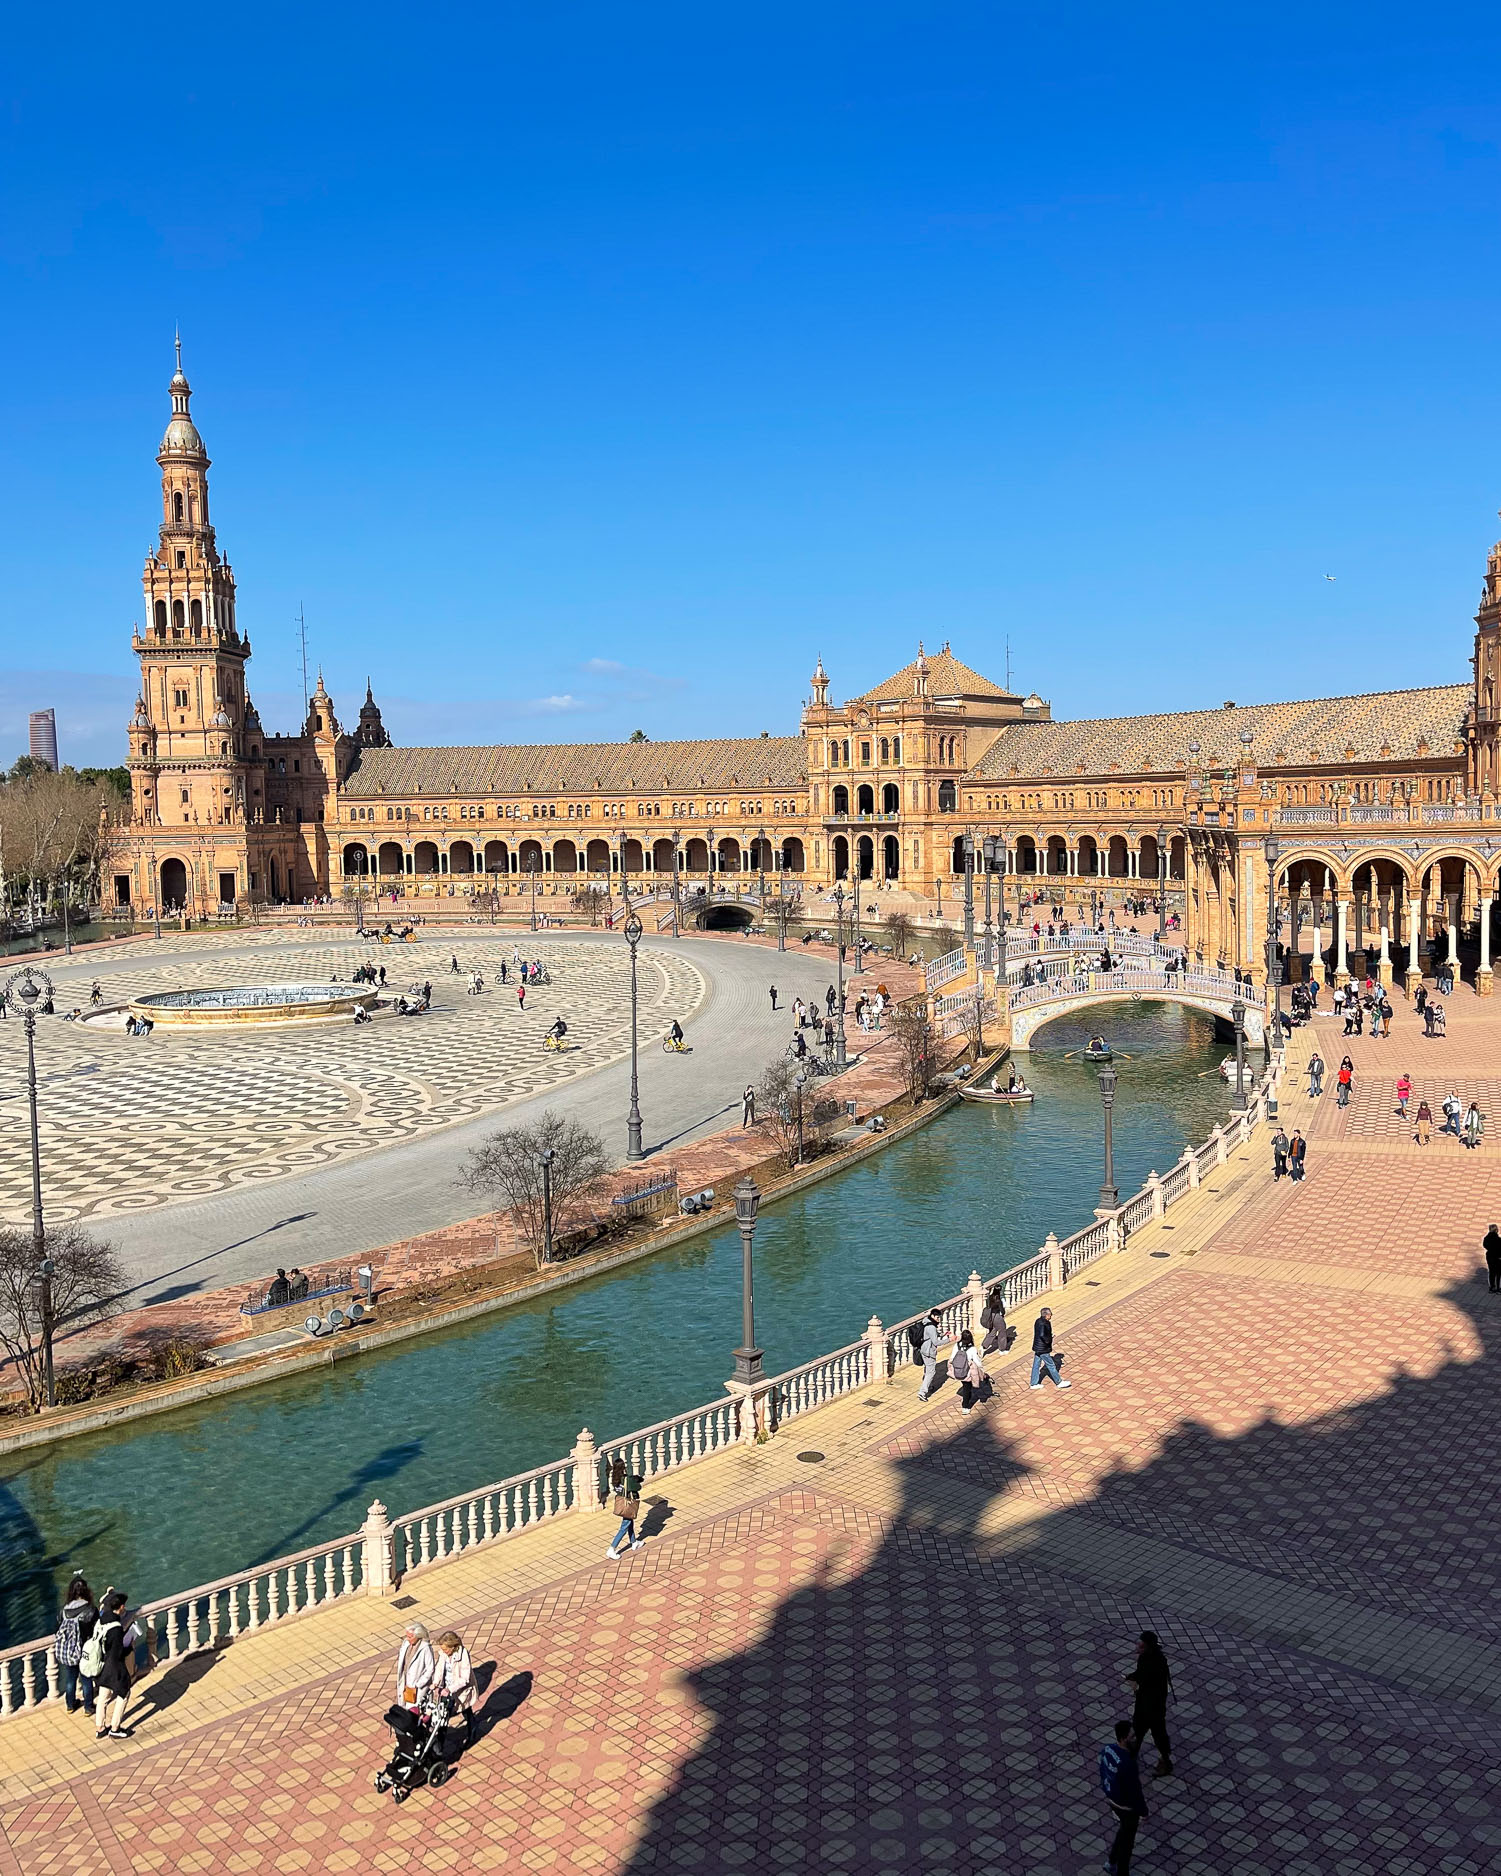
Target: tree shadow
1325	1578
385	1464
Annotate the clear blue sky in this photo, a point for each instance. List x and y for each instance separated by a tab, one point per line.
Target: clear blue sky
582	367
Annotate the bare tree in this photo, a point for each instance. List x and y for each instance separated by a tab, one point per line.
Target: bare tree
591	899
913	1028
507	1166
784	908
53	833
781	1104
87	1280
899	930
945	939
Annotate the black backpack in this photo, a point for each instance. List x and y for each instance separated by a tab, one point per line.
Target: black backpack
914	1336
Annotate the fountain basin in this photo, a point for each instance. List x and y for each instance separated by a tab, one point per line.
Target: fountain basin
253	1003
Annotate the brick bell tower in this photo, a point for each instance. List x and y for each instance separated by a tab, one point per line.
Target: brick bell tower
189	773
1485	720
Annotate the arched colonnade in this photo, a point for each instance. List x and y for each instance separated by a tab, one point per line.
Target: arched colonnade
560	855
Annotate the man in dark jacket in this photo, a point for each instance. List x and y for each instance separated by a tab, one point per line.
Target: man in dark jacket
1044	1361
1153	1679
1120	1780
1491	1244
1279	1154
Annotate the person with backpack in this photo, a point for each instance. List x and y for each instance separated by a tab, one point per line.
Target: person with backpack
1346	1081
106	1664
626	1505
1120	1780
967	1367
74	1628
993	1322
924	1338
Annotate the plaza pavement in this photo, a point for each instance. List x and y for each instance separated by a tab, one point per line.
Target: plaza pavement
894	1638
292	1145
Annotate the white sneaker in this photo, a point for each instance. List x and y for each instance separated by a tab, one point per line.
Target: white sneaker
1034	1384
638	1544
1065	1384
613	1554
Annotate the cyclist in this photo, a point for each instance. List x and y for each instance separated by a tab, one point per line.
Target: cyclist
96	995
556	1034
675	1033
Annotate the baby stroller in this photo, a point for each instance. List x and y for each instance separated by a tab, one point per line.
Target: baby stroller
421	1753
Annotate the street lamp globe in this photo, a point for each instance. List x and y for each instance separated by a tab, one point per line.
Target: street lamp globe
1108	1080
747	1201
26	989
1271	847
632	929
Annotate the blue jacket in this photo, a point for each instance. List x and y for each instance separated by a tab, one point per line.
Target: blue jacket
1120	1779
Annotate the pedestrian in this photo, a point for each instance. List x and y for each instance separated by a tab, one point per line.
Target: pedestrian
521	995
626	1505
962	1370
1386	1014
748	1108
1474	1125
1315	1075
1420	998
74	1628
453	965
928	1350
105	1663
453	1676
1424	1124
1429	1013
829	999
1297	1149
1404	1094
415	1666
993	1322
773	997
1153	1680
1453	1108
1120	1780
1346	1080
1044	1361
1279	1154
502	972
1339	999
1490	1243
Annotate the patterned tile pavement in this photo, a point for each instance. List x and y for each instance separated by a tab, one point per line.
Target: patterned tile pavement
905	1657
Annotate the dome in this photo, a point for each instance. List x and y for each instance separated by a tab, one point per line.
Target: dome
140	721
220	720
182	437
252	716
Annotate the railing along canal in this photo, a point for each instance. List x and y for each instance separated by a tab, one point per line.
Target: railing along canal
375	1559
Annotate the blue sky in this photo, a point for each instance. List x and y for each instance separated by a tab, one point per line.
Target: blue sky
579	368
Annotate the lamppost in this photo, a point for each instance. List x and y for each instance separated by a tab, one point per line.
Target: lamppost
24	990
969	892
1238	1017
800	1082
857	966
1110	1198
995	855
747	1357
761	870
839	1043
544	1160
633	1146
1271	848
1161	883
531	867
987	854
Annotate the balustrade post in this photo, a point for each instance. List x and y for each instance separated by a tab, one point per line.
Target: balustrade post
1195	1177
1055	1261
875	1342
1217	1135
586	1473
379	1542
975	1290
1154	1186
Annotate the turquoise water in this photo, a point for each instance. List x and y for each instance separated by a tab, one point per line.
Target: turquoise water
186	1497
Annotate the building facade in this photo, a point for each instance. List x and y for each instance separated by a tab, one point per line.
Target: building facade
1374	818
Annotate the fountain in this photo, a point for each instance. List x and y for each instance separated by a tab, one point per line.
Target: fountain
253	1003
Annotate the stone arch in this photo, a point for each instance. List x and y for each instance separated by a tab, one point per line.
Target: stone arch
891	799
597	857
661	856
1089	856
531	856
696	856
1057	854
461	857
1117	862
865	856
865	799
948	797
729	855
389	859
1026	854
891	857
792	855
635	857
565	857
356	859
497	857
174	885
840	849
841	799
425	857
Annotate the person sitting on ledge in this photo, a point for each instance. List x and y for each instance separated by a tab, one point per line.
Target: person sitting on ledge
280	1291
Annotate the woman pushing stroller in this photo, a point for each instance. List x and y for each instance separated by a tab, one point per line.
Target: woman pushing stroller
433	1683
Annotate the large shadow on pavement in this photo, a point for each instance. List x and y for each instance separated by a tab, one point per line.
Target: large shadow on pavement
933	1695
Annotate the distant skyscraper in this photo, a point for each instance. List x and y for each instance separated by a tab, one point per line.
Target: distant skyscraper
44	737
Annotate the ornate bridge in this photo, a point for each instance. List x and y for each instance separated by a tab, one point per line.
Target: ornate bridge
1211	991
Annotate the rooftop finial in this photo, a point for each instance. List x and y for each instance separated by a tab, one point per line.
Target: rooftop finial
177	341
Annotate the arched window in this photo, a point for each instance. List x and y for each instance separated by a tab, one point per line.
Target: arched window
841	799
891	801
948	798
197	614
177	616
867	798
161	618
177	506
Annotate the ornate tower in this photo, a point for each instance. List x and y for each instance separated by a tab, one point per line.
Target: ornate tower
1485	755
187	753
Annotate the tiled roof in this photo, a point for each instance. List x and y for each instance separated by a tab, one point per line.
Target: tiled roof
1398	725
947	677
582	768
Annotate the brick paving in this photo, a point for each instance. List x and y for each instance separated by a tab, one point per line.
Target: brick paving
1279	1452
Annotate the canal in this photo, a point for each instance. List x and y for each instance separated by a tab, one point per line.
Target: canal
215	1488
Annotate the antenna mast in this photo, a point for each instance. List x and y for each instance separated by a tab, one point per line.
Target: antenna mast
1008	661
302	640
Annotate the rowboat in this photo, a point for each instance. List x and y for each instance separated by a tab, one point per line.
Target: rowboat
1002	1099
1096	1055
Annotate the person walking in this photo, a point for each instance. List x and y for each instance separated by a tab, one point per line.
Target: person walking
1404	1094
962	1370
75	1626
1453	1108
453	965
828	998
1420	998
928	1350
1297	1150
1315	1075
1120	1780
104	1661
1491	1245
1474	1125
1044	1361
748	1108
1424	1125
773	998
453	1677
626	1504
993	1322
1279	1154
1345	1080
415	1666
1153	1680
521	995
